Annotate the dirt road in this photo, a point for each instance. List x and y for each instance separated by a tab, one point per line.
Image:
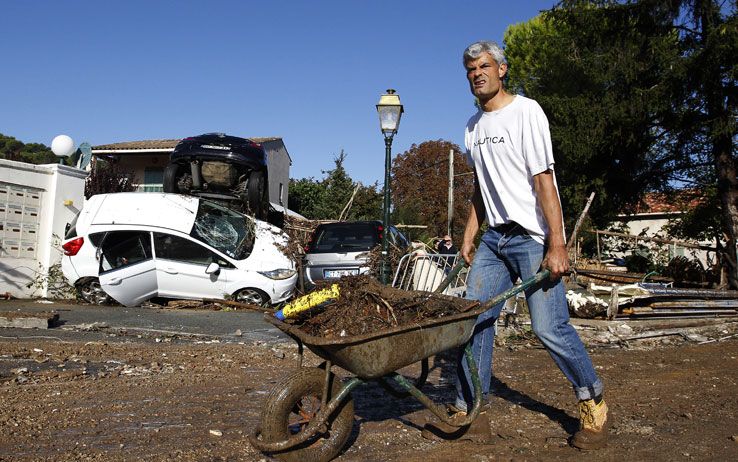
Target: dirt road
168	399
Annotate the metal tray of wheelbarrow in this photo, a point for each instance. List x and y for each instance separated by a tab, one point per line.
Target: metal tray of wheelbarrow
376	354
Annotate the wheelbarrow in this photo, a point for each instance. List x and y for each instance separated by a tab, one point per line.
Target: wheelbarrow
309	415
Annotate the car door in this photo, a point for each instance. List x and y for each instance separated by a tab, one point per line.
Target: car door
181	266
127	270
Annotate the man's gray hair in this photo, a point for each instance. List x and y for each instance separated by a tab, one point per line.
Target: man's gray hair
483	46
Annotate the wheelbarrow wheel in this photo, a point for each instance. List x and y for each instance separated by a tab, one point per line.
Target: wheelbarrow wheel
293	404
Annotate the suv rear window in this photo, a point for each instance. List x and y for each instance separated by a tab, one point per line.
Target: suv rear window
344	237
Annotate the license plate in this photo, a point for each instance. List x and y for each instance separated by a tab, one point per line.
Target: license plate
338	273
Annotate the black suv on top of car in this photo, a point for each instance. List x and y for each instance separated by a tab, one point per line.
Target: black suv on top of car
223	168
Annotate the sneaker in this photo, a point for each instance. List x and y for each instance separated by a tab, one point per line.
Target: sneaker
593	425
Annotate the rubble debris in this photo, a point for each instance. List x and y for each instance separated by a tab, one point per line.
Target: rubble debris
189	304
650	300
719	339
29	320
585	305
213	304
93	326
366	306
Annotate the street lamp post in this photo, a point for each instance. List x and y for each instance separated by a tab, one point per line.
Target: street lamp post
390	110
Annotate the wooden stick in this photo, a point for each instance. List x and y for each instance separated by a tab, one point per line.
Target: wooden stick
573	236
384	302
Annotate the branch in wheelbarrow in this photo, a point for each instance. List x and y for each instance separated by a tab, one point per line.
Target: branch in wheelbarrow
386	304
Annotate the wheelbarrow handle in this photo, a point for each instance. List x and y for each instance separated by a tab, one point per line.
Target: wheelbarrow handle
451	275
525	285
540	276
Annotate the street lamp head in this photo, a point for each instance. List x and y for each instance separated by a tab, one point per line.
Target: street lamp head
390	110
62	146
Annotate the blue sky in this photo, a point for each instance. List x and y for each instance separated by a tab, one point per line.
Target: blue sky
308	71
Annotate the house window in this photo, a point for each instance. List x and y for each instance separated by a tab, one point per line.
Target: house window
153	180
281	193
675	251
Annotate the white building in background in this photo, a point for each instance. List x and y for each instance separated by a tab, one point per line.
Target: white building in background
36	203
650	220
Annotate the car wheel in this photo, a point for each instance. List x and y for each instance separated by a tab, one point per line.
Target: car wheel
256	190
170	178
92	292
252	297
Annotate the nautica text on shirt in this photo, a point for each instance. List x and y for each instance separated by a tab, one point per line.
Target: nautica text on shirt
490	139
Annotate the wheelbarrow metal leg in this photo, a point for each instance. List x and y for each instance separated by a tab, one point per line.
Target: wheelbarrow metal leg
419	382
327	383
440	411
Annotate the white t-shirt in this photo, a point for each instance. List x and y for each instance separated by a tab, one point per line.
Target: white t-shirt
507	148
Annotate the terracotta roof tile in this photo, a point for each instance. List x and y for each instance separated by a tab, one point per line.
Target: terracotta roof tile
674	202
157	144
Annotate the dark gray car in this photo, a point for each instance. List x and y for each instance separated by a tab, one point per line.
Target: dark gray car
342	249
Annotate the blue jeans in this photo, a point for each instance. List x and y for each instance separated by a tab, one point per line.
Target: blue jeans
501	259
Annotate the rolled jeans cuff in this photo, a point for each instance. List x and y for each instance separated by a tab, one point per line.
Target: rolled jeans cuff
585	393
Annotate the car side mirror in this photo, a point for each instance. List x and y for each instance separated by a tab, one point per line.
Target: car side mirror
212	268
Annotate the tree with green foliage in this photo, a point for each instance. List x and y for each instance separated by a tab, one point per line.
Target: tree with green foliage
709	110
640	95
327	199
32	153
306	197
596	71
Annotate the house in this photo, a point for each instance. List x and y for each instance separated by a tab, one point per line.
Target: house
36	203
147	160
649	219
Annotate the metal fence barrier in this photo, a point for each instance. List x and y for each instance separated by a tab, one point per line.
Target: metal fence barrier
425	271
421	270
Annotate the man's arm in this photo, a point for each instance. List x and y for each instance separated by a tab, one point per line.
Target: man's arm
473	222
557	258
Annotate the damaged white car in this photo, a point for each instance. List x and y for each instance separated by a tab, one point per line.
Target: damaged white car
136	246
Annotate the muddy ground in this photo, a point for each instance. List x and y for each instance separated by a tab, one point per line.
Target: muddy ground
126	398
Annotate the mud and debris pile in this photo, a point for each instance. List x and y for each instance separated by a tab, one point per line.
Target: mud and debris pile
300	231
365	306
298	234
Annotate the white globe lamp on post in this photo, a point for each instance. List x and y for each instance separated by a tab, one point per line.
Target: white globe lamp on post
62	146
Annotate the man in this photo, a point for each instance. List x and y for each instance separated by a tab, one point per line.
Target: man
509	146
446	246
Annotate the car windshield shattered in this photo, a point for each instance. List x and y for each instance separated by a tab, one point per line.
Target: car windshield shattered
223	229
